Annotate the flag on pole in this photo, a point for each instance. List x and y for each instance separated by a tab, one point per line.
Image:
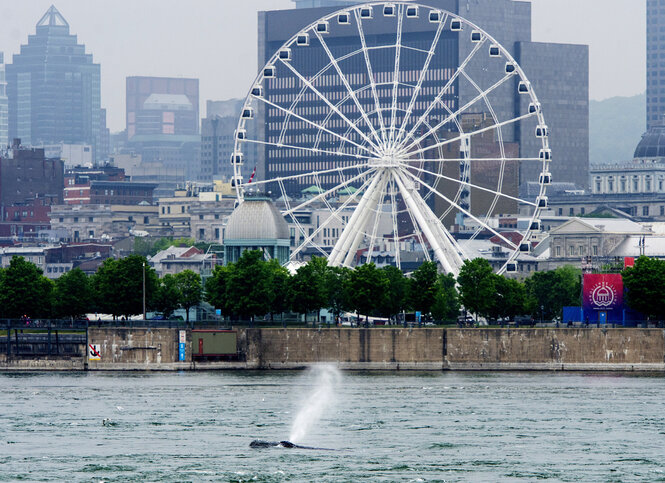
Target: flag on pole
252	176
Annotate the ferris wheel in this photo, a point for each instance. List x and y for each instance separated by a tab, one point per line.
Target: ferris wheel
409	127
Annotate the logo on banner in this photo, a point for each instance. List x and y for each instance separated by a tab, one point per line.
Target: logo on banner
603	291
603	295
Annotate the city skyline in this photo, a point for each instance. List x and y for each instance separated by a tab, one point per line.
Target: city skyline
211	35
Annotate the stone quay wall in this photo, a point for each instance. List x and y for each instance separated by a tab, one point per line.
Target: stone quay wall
581	349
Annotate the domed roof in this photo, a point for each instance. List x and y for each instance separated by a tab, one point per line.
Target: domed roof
652	144
256	219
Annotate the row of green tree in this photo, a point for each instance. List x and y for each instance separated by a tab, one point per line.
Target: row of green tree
116	288
253	287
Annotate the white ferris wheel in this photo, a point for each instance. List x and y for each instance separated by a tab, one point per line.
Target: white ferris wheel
409	125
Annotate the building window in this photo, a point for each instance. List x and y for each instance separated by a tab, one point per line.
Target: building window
645	211
597	186
662	210
163	210
200	217
216	233
146	220
571	250
91	233
623	185
182	209
594	250
202	233
610	186
558	251
216	216
91	218
560	211
571	211
168	209
582	211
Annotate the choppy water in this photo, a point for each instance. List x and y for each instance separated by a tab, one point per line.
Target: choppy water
387	427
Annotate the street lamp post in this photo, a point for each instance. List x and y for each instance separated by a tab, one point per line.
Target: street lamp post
144	291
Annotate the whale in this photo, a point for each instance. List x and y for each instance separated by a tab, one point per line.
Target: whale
259	443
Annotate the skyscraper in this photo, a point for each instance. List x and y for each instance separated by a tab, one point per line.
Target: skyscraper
655	62
558	73
53	88
163	122
217	138
4	122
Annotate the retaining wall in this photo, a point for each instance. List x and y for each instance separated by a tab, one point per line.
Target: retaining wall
629	349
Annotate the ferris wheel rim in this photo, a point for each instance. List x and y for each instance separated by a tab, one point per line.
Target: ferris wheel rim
373	142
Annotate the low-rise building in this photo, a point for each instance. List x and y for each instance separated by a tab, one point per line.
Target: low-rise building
177	259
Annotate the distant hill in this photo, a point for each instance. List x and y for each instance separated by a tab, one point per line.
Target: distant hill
616	126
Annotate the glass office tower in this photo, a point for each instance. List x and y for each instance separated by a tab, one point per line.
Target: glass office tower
53	88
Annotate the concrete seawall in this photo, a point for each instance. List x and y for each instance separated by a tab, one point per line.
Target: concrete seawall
378	348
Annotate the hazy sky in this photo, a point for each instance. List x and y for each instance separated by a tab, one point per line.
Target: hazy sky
215	40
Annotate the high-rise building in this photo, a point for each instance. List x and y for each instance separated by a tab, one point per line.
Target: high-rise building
217	130
53	88
163	122
655	65
4	108
558	73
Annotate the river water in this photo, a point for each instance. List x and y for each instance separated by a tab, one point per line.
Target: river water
397	426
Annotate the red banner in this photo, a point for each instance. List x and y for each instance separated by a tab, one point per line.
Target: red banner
628	262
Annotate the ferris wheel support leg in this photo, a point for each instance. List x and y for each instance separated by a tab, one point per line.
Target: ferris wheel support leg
342	245
373	203
424	217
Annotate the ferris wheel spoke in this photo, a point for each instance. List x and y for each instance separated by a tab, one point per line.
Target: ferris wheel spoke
396	71
299	226
304	80
329	191
370	74
466	212
305	148
348	87
423	71
458	160
454	114
312	123
377	217
334	215
471	134
310	173
438	97
348	234
366	211
393	209
470	185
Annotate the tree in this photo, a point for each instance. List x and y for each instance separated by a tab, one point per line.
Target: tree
166	299
334	283
279	281
366	288
423	287
395	300
509	299
477	286
307	291
446	304
118	285
188	284
73	295
645	287
548	292
216	289
24	290
248	289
